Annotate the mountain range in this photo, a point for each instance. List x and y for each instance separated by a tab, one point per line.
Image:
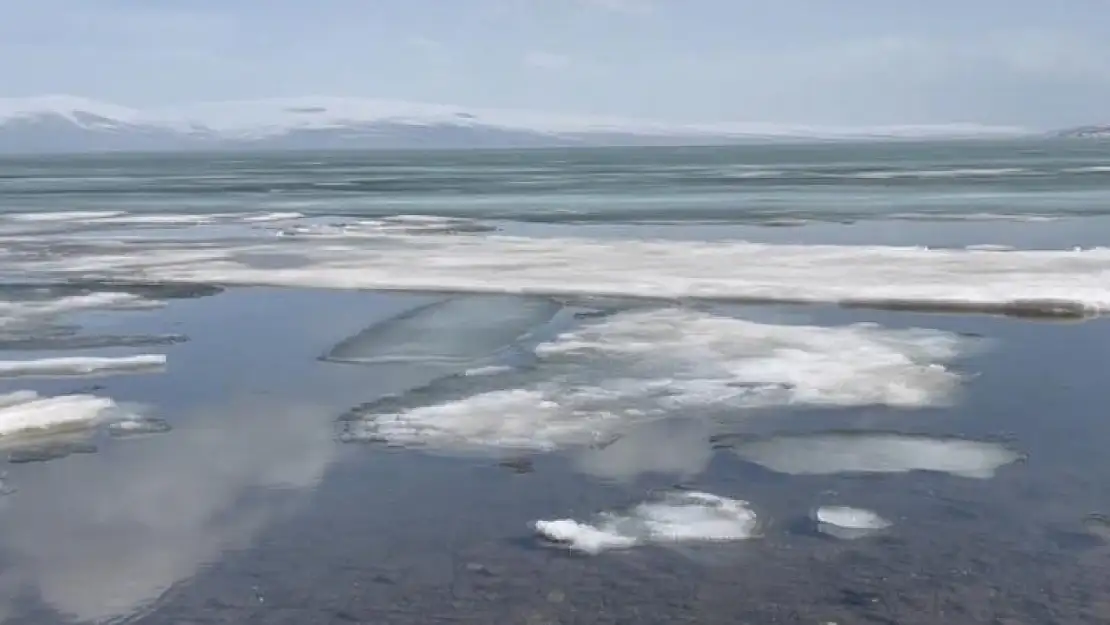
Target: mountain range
50	124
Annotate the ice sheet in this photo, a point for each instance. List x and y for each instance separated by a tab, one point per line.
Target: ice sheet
1025	282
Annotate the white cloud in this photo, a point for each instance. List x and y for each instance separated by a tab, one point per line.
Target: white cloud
547	60
109	540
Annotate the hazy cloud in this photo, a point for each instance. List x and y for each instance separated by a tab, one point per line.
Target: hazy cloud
794	61
546	60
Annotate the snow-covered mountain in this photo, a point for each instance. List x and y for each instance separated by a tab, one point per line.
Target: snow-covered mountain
1087	132
73	124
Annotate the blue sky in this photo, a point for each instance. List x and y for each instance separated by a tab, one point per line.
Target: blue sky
1027	62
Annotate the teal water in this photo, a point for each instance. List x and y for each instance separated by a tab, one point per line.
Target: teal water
749	184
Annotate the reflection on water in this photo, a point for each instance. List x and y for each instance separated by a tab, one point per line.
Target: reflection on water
244	508
103	535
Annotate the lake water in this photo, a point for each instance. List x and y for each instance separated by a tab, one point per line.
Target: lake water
597	386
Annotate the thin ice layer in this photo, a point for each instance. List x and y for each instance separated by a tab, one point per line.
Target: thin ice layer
18	314
81	366
675	518
53	414
849	452
460	330
599	382
1032	282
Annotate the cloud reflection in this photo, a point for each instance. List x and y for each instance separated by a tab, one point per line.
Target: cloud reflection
673	447
107	538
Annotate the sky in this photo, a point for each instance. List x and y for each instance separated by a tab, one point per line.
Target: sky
848	62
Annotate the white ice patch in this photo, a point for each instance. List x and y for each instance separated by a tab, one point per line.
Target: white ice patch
603	380
490	370
699	358
63	216
81	366
1029	281
53	413
137	425
513	419
848	523
676	518
827	454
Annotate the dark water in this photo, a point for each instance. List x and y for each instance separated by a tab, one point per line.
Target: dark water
251	511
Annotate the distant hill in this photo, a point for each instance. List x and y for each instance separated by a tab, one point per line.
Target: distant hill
74	124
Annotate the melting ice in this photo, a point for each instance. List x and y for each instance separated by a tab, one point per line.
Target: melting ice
675	518
848	523
595	383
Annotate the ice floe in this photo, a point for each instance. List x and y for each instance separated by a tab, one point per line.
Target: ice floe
136	425
674	518
848	523
82	366
595	384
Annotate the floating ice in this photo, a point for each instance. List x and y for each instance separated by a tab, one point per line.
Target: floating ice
60	413
57	342
600	381
826	454
490	370
513	419
17	397
19	314
848	523
698	358
134	425
81	366
1026	282
458	330
675	518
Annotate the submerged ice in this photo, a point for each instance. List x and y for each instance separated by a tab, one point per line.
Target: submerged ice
674	518
462	331
596	383
868	452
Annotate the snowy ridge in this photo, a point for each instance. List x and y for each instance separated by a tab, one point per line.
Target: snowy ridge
61	122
